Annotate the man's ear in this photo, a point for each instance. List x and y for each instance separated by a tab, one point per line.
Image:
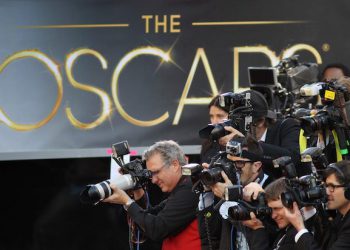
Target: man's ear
176	165
257	166
260	123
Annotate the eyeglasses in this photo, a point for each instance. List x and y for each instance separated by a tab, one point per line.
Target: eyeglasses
240	163
155	173
331	187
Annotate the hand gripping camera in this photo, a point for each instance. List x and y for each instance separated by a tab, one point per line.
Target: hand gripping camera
134	175
240	116
242	210
206	177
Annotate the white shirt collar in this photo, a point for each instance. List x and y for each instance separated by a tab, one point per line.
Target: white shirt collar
263	137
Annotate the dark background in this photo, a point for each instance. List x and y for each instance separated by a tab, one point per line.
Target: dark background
28	91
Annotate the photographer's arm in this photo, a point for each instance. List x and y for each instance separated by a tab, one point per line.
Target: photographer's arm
304	239
256	234
233	133
119	197
251	191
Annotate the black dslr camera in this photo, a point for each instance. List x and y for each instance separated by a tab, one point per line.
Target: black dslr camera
207	177
240	116
242	210
336	101
134	175
306	190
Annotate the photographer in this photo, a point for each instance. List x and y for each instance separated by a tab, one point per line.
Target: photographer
217	114
337	183
174	219
334	71
287	237
328	127
251	171
277	137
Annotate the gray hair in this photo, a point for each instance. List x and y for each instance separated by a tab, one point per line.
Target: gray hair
168	150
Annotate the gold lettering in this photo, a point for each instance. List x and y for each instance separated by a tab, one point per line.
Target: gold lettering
297	47
106	101
158	24
147	19
121	65
249	49
200	54
175	24
54	70
271	55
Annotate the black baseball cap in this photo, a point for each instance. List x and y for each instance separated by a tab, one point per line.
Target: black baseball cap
260	106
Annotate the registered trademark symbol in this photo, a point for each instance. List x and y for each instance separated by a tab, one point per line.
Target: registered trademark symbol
326	47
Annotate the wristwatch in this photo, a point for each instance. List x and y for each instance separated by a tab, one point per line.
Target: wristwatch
127	204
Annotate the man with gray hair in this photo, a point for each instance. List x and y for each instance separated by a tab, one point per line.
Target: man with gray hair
174	219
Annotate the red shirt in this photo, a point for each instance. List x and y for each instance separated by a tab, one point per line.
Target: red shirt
187	239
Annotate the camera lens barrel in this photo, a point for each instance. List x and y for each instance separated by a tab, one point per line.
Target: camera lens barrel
239	212
211	176
93	194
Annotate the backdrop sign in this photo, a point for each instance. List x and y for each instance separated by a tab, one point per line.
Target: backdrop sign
77	76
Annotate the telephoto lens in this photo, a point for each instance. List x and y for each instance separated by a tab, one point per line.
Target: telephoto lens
93	194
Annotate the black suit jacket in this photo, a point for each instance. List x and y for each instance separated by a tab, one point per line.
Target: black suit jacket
282	139
337	236
339	233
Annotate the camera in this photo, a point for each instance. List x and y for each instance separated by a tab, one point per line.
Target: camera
306	190
286	165
233	148
316	158
336	101
240	116
280	84
312	89
206	177
242	210
323	120
220	163
134	175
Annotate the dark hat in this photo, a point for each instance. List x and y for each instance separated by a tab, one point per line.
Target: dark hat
260	106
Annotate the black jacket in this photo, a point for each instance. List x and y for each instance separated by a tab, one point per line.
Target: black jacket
282	139
337	236
171	216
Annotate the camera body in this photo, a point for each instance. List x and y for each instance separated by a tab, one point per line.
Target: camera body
306	190
336	111
242	210
134	176
240	116
206	177
219	163
281	84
